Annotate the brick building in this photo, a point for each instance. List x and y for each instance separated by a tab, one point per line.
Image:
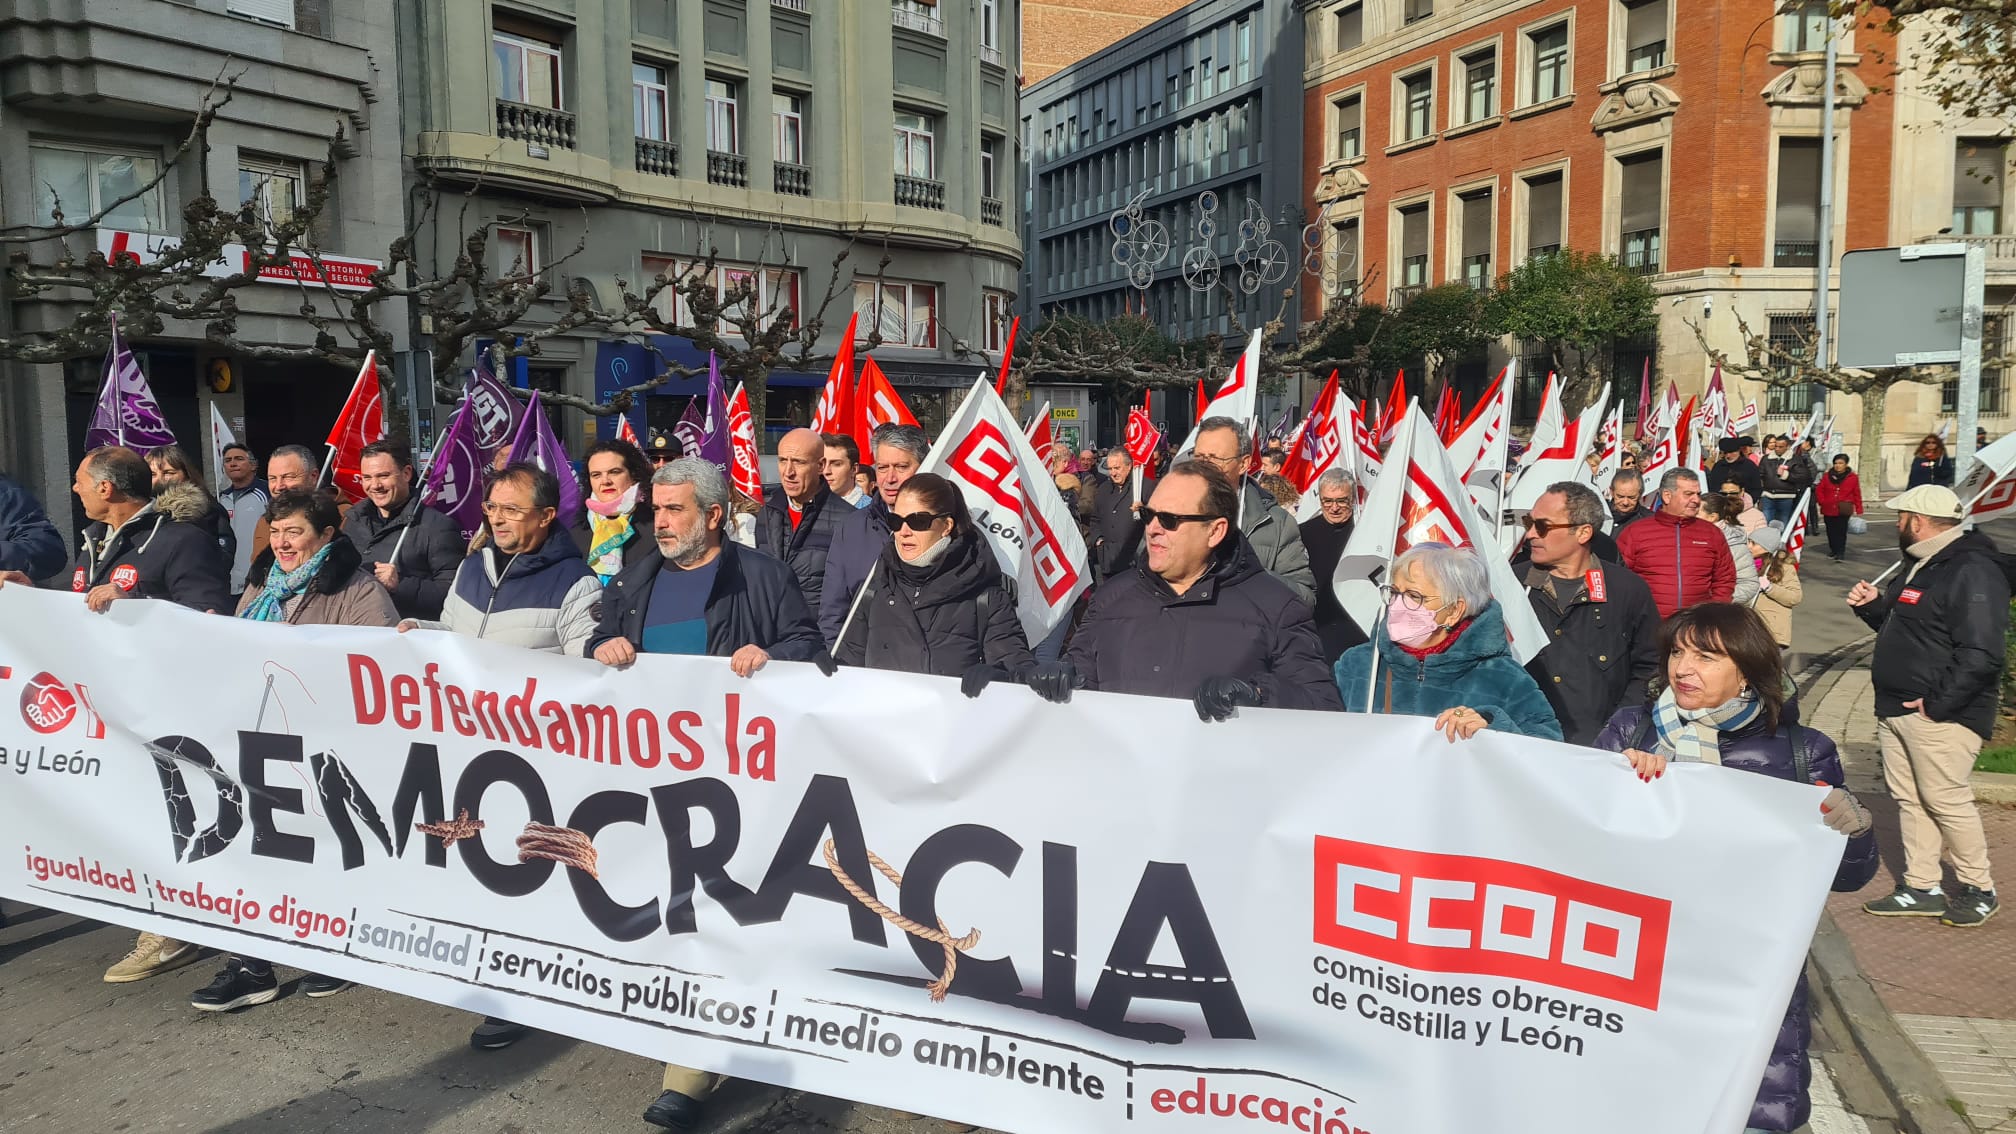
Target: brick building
1058	33
1450	142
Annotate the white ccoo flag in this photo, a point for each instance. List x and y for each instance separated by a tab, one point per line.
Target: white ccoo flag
220	436
1238	397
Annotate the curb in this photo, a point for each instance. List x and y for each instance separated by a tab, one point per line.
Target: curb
1993	787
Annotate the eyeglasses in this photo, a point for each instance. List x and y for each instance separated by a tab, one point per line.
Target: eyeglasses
1412	600
1170	521
919	521
506	511
1341	502
1542	527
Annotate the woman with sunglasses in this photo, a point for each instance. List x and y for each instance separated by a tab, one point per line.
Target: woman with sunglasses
1441	652
936	601
1722	698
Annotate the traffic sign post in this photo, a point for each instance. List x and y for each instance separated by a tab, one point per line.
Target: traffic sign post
1919	305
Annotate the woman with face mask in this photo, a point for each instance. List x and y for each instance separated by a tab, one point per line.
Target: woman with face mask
1441	652
936	601
617	512
1723	699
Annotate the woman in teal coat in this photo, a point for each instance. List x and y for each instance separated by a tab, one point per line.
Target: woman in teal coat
1442	652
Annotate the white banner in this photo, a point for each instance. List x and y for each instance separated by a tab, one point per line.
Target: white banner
1253	920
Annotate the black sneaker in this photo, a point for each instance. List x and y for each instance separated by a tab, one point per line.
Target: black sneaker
317	986
235	987
674	1111
1970	907
493	1033
1907	902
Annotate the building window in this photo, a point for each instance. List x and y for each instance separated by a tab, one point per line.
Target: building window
1344	265
1795	241
915	145
517	250
905	313
1350	112
1543	215
1412	10
787	112
1993	350
1417	104
1475	217
1805	26
998	309
1641	187
990	24
1243	39
1979	172
1549	50
1413	251
1644	35
650	102
273	188
81	183
724	117
990	167
1480	80
1350	26
1790	337
528	70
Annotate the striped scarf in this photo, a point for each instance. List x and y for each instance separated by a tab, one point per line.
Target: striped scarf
1694	735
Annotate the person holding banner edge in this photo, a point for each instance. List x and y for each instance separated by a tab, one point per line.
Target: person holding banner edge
1723	697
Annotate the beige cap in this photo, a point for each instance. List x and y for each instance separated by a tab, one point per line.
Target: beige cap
1933	500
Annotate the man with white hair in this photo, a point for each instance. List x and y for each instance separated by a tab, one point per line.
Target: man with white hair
1324	536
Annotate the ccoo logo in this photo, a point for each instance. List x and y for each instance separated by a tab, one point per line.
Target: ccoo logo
47	704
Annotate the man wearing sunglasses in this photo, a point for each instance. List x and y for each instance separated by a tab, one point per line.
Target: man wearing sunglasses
1268	528
1602	626
1196	616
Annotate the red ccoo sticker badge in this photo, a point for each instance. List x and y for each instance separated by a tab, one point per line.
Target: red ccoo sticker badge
47	704
77	580
1910	596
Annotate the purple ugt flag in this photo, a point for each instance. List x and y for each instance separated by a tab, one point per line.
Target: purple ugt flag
495	412
455	474
691	428
536	443
127	413
714	432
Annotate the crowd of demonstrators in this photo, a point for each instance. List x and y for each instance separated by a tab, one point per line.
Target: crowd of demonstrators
1940	644
616	508
1723	697
172	468
1838	495
1323	537
1733	472
244	497
1602	625
1440	651
1682	557
800	514
1930	464
1115	521
1197	617
1786	475
841	466
899	451
1724	510
1269	531
1627	500
411	549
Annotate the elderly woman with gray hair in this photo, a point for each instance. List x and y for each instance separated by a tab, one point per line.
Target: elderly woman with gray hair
1441	652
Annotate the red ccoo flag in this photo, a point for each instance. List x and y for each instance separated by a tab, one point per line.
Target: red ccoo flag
1142	436
876	404
361	423
625	433
1007	356
1038	433
835	413
743	469
1396	409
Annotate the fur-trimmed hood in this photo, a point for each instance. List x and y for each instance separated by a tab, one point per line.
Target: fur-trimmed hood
185	503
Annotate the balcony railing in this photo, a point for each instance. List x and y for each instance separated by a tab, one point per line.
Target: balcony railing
728	169
793	178
991	55
2000	247
920	192
1398	297
990	210
917	21
791	5
1795	254
1641	252
654	156
535	125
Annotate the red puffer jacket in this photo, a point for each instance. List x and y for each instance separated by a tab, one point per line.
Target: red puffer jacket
1684	561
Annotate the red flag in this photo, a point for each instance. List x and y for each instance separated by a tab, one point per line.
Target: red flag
743	469
1007	356
1395	411
1448	415
1307	445
1142	436
877	403
1645	400
625	433
836	402
361	423
1038	433
1203	400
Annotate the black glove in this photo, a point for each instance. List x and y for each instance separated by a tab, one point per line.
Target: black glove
1218	696
826	664
1054	680
974	680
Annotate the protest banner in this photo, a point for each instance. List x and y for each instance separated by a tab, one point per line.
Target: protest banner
870	886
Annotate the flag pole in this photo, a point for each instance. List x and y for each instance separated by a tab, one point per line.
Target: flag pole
1966	517
419	490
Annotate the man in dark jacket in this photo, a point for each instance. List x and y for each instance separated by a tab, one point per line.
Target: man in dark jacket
1197	617
1603	629
898	452
1116	519
1682	557
1940	630
1271	534
141	546
413	550
1627	500
1786	476
29	544
1734	470
800	512
1324	535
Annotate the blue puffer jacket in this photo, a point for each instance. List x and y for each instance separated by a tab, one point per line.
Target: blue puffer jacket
1477	671
1781	1098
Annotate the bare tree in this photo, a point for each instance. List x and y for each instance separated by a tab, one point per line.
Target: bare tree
1968	61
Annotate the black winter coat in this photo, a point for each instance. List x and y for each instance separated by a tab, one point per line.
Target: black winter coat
1739	470
805	547
1788	475
1781	1097
159	553
1139	636
1325	542
943	619
1599	654
1115	528
755	602
427	559
215	522
859	535
29	543
1940	635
